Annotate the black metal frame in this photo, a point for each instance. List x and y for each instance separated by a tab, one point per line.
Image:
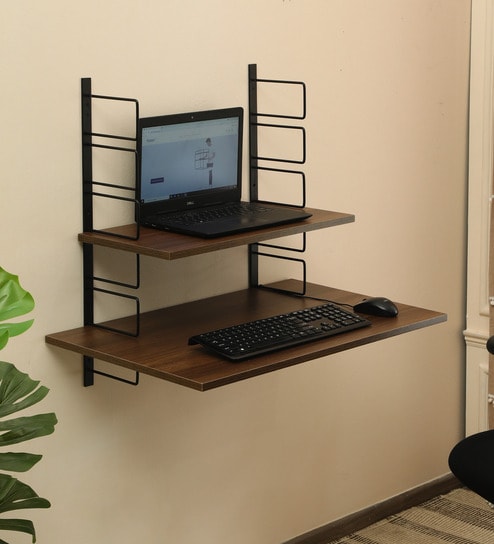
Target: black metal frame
88	194
254	158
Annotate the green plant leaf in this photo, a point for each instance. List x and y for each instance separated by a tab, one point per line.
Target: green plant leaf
15	495
18	462
17	390
21	429
15	301
14	329
19	525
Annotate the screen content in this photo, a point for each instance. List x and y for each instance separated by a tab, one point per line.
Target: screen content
180	160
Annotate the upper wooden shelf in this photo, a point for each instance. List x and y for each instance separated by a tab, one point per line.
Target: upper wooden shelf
161	350
170	246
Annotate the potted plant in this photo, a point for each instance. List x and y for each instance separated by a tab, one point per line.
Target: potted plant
18	392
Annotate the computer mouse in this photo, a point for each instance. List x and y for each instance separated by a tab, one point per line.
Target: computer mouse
380	306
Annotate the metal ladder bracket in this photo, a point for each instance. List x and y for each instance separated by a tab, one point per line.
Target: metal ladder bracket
88	194
255	167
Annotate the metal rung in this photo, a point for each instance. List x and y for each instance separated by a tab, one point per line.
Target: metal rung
121	98
286	127
113	136
137	312
112	147
134	285
286	258
284	82
89	372
284	171
137	212
113	186
288	248
111	376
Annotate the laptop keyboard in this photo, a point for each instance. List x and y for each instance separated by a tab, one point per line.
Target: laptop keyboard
206	215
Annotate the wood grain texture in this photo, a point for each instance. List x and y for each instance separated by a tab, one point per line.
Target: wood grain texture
170	246
162	349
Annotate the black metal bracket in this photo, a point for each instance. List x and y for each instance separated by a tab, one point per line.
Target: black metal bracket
89	372
255	167
88	194
88	144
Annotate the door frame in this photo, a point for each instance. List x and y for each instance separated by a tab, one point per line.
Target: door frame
480	173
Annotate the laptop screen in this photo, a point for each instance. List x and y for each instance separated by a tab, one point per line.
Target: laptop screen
190	159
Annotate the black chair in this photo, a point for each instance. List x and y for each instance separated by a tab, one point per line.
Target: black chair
472	459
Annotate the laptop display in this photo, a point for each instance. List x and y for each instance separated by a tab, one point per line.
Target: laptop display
190	160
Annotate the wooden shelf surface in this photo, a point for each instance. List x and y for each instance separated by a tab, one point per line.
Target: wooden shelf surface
170	246
162	351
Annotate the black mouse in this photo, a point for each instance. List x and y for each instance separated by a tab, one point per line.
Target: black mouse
379	306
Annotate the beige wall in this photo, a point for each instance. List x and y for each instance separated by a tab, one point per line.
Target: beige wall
267	459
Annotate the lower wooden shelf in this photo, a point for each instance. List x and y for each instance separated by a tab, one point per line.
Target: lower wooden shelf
162	351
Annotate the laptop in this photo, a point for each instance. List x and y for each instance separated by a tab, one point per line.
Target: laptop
190	170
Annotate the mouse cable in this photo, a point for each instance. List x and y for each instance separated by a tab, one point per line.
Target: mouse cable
301	295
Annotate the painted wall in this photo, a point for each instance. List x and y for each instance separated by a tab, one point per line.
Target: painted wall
267	459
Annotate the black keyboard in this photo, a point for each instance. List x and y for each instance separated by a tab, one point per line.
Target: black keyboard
205	215
281	331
